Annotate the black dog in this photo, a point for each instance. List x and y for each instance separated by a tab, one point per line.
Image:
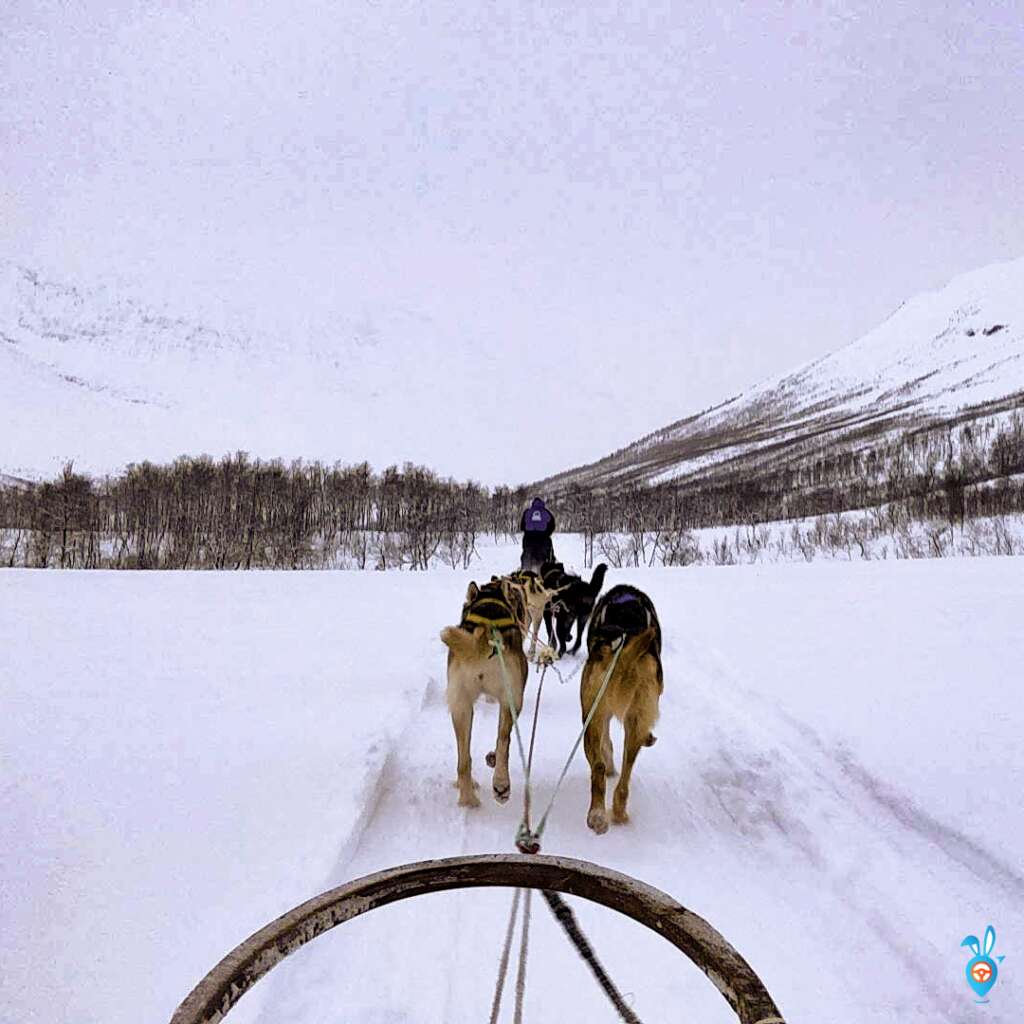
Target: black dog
553	576
573	605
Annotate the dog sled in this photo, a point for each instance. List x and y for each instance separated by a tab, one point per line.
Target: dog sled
213	998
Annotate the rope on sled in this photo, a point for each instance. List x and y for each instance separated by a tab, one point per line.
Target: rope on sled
499	985
517	1017
524	942
499	648
567	919
572	675
579	739
528	841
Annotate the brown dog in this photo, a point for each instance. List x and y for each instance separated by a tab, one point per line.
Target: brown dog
474	668
624	615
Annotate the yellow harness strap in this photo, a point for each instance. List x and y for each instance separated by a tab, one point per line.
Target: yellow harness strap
483	620
500	620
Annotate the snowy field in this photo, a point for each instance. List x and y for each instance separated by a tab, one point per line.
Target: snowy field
837	787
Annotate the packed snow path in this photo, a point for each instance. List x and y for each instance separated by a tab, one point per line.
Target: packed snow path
824	790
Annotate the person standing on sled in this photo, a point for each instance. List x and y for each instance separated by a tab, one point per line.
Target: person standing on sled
537	525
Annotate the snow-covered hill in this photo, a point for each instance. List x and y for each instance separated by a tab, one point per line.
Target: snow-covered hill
94	376
951	354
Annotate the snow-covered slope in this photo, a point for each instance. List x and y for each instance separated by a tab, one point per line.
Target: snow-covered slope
96	377
953	352
836	786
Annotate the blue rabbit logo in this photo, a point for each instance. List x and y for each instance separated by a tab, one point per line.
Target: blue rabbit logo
982	971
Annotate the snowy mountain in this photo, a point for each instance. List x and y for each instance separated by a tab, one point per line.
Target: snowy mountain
94	376
951	355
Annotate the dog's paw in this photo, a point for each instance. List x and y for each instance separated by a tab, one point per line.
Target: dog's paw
491	759
598	821
620	816
502	792
469	799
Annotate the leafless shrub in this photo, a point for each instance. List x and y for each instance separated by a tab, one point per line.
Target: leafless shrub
1005	542
721	552
940	541
611	550
678	547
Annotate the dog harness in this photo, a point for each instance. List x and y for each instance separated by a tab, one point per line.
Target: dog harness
489	611
624	612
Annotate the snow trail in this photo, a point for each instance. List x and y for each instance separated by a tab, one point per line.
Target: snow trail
816	792
740	804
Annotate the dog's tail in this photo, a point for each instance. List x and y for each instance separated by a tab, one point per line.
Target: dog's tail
461	641
635	647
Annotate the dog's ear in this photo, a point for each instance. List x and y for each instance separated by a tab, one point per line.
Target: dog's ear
472	592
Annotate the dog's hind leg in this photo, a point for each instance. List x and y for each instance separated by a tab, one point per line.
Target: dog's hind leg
607	752
502	785
500	782
550	627
593	742
594	745
581	621
638	722
462	722
563	626
631	748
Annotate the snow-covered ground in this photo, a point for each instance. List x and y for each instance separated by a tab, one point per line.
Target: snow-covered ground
879	533
837	787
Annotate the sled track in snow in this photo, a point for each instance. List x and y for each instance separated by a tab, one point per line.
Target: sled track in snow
377	790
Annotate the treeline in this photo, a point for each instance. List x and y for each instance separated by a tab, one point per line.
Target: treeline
239	513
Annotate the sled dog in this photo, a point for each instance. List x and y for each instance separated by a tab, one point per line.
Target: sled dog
474	668
624	614
572	602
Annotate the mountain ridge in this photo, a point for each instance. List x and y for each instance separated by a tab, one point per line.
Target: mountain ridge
942	356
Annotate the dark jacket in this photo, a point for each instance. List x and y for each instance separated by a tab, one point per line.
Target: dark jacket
539	517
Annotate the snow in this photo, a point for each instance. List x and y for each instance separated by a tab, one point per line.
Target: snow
836	787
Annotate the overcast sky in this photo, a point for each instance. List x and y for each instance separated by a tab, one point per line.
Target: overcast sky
674	201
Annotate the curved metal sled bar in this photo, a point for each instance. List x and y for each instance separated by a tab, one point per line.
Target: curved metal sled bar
218	992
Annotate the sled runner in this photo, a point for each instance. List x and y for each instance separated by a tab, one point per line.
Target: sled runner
220	990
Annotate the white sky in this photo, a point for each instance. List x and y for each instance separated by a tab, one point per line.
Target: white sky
661	202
